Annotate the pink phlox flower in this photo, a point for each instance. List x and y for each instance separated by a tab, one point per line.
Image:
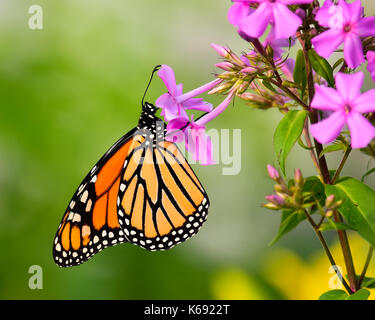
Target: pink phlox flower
371	63
276	12
174	103
238	11
346	25
194	136
347	105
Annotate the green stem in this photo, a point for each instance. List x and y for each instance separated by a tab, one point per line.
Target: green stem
289	93
343	238
341	165
327	251
344	242
310	145
365	267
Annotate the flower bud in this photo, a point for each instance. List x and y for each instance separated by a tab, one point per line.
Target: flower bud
298	178
242	88
271	206
221	88
313	32
337	204
224	52
273	173
330	201
227	75
329	213
249	70
269	51
227	66
276	199
301	13
235	59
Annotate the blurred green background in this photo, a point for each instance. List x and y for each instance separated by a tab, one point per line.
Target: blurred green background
70	90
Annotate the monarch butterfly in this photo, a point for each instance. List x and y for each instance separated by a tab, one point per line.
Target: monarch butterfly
141	191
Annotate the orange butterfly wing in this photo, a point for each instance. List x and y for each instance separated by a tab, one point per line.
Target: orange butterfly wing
141	191
161	201
90	222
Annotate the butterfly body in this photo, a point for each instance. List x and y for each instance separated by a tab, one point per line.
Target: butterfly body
141	191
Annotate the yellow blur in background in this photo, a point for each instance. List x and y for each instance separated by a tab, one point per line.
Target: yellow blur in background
295	278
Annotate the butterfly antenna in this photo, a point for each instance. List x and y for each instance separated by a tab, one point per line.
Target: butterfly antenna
149	82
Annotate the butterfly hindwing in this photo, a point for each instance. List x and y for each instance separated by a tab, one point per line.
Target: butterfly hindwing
161	201
90	222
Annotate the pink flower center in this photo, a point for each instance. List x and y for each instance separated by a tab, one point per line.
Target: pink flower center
347	108
347	27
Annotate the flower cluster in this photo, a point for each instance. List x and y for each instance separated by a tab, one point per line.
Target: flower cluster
318	99
346	24
264	78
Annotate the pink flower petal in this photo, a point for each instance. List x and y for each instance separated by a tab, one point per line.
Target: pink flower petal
167	75
345	9
371	63
361	130
349	85
291	2
256	23
327	42
174	132
371	58
215	112
198	91
237	12
286	22
324	14
166	101
355	11
365	27
365	102
179	89
328	130
326	99
197	104
200	145
353	50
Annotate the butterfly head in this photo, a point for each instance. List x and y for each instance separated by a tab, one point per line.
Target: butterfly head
149	108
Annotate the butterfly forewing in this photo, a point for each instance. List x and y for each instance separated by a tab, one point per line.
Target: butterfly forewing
90	222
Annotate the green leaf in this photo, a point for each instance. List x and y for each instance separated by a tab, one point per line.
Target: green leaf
289	220
313	191
287	133
334	295
300	142
332	148
268	85
367	174
331	225
361	294
368	282
358	207
322	67
299	74
338	62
